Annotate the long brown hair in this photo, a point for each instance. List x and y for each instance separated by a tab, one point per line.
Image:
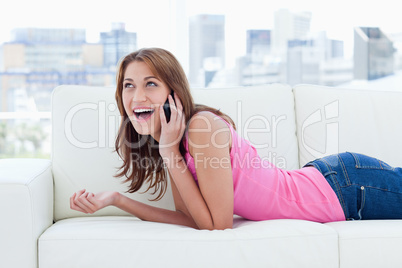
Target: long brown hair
140	153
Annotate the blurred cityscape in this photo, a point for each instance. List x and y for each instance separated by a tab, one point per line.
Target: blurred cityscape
35	61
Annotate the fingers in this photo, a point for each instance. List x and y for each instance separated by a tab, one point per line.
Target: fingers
181	113
83	199
178	102
73	205
177	111
92	202
183	125
162	115
79	201
173	107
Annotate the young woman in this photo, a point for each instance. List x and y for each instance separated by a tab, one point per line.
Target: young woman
214	173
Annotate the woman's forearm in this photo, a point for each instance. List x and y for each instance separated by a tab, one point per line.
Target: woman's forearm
150	213
189	192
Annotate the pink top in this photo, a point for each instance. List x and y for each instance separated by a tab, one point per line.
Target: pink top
264	192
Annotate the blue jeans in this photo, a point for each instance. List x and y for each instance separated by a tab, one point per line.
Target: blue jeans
367	188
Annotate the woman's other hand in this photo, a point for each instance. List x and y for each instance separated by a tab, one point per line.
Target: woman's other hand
89	203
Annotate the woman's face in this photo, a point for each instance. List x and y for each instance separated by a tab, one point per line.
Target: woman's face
143	94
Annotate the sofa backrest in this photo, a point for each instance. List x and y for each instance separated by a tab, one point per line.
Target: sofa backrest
85	121
264	115
332	120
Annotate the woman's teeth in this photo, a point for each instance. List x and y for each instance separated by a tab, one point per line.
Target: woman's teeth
143	113
142	110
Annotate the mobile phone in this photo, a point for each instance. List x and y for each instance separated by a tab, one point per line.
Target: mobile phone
166	107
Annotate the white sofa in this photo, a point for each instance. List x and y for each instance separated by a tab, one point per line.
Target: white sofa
289	126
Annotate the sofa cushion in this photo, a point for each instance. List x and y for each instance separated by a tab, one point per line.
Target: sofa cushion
332	120
264	115
369	243
128	242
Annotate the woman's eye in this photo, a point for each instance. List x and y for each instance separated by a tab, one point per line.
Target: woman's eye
152	84
127	85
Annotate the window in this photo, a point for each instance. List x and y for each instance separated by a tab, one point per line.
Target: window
219	43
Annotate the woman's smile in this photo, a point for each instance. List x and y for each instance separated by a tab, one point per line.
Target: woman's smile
143	113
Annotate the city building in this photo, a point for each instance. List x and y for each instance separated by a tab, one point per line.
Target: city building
35	61
336	71
117	43
260	74
178	32
318	60
206	48
335	49
314	60
289	26
397	42
258	44
303	62
257	66
373	53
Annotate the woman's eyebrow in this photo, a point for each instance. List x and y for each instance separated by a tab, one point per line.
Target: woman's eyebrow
145	78
150	77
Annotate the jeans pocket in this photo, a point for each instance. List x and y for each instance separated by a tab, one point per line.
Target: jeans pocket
367	162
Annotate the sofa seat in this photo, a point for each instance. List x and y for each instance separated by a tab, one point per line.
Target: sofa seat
124	241
373	243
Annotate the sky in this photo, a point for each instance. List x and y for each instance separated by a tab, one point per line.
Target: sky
151	19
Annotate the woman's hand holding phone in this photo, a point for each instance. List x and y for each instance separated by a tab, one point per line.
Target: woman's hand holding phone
172	129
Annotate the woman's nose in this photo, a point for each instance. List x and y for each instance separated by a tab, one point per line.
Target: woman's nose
139	95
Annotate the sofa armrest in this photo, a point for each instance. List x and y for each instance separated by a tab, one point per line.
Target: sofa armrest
26	209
